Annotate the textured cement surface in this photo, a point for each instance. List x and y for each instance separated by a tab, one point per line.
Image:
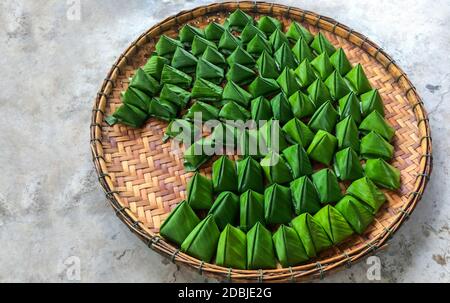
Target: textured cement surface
52	211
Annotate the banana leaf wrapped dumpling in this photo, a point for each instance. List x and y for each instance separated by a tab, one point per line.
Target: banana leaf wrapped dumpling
206	90
347	134
277	204
239	19
208	71
358	80
228	42
277	39
241	56
263	87
298	32
198	154
240	74
284	57
261	109
311	233
301	105
251	209
334	223
179	224
129	115
298	161
175	94
174	76
224	176
276	169
136	98
347	165
287	81
188	32
166	46
201	243
327	186
305	73
272	136
267	66
233	111
302	51
382	173
349	105
250	31
304	196
289	247
366	191
249	144
183	131
145	83
162	109
298	132
213	31
281	108
340	62
260	253
358	215
232	248
337	86
207	111
318	92
269	24
257	45
233	92
324	118
199	45
154	66
322	65
213	55
200	192
225	209
249	175
375	146
184	60
322	147
322	45
371	101
375	122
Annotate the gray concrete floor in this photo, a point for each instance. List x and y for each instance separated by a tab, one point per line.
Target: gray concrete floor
53	215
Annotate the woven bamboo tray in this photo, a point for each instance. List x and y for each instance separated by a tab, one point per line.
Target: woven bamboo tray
143	180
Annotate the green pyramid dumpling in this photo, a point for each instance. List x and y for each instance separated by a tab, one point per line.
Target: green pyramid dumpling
302	51
206	90
212	55
188	32
179	224
277	204
261	110
249	175
334	224
166	46
269	24
144	83
272	136
208	71
301	105
284	57
298	161
249	144
340	62
154	66
225	209
228	43
239	55
382	173
251	209
213	31
233	111
251	31
224	176
366	191
304	196
174	76
233	92
201	243
232	248
175	94
184	60
257	45
136	98
263	87
162	109
199	192
287	81
327	186
281	108
298	32
347	134
260	253
225	136
267	66
276	169
207	111
375	122
239	19
322	65
298	132
358	215
322	147
347	165
240	74
305	74
312	234
277	39
130	115
358	80
336	86
182	130
371	101
375	146
199	45
198	154
318	93
349	105
322	45
324	118
288	246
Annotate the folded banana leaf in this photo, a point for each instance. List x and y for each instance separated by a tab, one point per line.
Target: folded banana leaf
284	57
202	110
322	147
184	61
334	224
340	62
233	111
224	176
272	136
201	243
366	191
305	73
182	131
260	253
162	109
225	137
358	80
206	91
130	115
298	132
318	93
281	108
145	83
214	56
200	192
251	31
232	248
382	173
263	87
276	169
240	74
288	82
233	92
322	45
312	234
188	32
176	95
239	19
324	118
277	204
288	247
136	98
375	146
358	215
240	55
297	159
349	105
261	110
195	155
302	51
336	85
322	66
298	32
327	186
347	165
251	209
250	176
213	31
257	45
174	76
154	66
267	66
208	71
179	224
166	46
269	24
228	42
304	196
301	105
277	39
225	209
347	134
199	45
371	101
375	122
250	144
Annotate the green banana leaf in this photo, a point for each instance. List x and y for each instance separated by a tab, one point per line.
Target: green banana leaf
251	209
240	55
272	137
225	136
233	111
375	146
200	192
334	224
240	74
318	93
162	109
136	98
206	91
184	61
288	247
322	45
249	144
297	159
182	131
201	243
233	92
347	165
144	83
375	122
340	62
358	215
154	66
239	19
297	32
176	95
371	101
213	31
358	80
267	66
166	46
250	176
179	224
281	108
232	248
366	191
130	115
225	209
260	253
284	57
269	24
208	71
261	110
263	87
298	132
322	66
174	76
305	73
207	111
277	204
199	45
301	105
228	42
277	39
212	55
188	32
324	118
302	51
304	196
257	45
322	147
382	173
337	86
224	175
327	186
251	31
349	105
276	169
195	155
288	82
347	134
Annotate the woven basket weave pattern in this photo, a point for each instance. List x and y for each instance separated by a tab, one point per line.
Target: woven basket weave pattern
145	180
